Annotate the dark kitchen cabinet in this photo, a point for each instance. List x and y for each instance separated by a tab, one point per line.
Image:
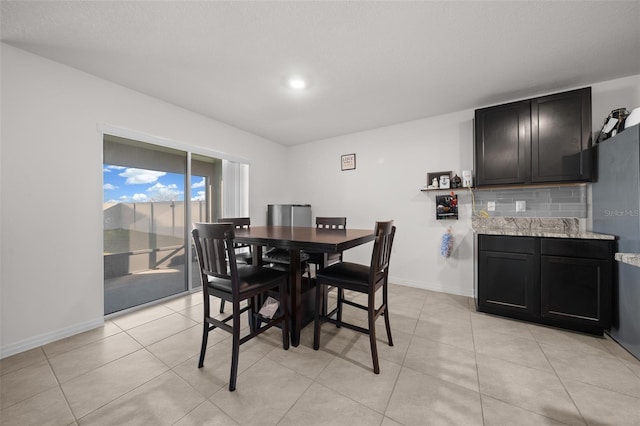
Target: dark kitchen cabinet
561	137
508	270
576	281
503	144
540	140
561	282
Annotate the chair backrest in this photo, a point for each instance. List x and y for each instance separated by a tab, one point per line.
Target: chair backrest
385	232
215	250
238	223
331	222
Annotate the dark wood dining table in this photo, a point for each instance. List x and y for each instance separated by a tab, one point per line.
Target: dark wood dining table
297	239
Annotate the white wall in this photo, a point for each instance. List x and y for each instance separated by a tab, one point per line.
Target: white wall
391	166
51	186
51	195
392	163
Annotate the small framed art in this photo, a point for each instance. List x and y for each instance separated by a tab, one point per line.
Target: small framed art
348	162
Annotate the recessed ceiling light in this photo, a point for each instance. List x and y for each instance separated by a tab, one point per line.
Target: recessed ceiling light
297	83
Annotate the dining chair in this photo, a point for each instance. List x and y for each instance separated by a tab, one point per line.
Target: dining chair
243	251
360	279
221	277
317	259
242	254
329	223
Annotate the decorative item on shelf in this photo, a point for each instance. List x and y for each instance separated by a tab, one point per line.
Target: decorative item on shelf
446	246
435	180
633	118
447	206
456	182
467	180
613	124
444	182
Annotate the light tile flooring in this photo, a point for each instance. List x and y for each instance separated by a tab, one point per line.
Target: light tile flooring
449	365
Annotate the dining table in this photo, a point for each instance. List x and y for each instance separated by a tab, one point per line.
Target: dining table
297	239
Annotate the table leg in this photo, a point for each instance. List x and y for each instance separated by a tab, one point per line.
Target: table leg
256	254
325	290
295	296
256	257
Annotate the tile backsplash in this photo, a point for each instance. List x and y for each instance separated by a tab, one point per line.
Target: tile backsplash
555	201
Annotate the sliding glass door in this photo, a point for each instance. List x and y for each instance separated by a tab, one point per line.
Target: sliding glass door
152	195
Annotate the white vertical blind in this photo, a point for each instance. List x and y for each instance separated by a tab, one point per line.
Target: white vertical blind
235	189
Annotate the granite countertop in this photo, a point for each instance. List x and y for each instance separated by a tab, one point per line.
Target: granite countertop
535	227
630	258
545	227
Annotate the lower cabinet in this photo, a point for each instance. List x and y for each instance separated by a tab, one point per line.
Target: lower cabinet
561	282
508	276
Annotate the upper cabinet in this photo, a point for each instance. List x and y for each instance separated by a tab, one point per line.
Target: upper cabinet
503	144
540	140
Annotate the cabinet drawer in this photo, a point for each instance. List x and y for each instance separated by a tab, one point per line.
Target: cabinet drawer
593	249
507	244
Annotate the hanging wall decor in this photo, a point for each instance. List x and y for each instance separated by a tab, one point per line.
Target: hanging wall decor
348	162
447	206
446	245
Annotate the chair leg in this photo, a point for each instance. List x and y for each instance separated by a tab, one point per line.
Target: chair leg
235	350
203	348
316	322
325	301
339	312
372	333
386	323
284	304
386	315
254	319
222	306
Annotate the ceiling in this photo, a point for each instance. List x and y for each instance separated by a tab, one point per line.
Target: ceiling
369	64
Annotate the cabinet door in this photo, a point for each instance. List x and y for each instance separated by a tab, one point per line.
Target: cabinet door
503	144
576	290
508	284
561	137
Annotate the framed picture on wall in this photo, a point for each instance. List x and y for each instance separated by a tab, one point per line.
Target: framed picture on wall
348	162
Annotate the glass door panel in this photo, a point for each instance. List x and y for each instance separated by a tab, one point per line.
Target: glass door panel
144	223
151	199
205	200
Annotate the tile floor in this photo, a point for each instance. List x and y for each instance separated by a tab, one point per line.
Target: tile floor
449	365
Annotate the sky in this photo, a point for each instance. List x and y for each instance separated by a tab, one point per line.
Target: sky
130	185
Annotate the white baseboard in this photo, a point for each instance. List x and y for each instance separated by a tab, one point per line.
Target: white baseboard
432	286
43	339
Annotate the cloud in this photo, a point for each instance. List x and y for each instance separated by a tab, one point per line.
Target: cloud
141	176
160	192
200	196
198	184
112	167
135	198
109	187
158	187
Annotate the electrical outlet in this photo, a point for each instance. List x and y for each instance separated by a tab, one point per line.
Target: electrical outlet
491	206
521	206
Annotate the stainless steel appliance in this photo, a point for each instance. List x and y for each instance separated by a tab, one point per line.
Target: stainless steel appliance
289	215
616	211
